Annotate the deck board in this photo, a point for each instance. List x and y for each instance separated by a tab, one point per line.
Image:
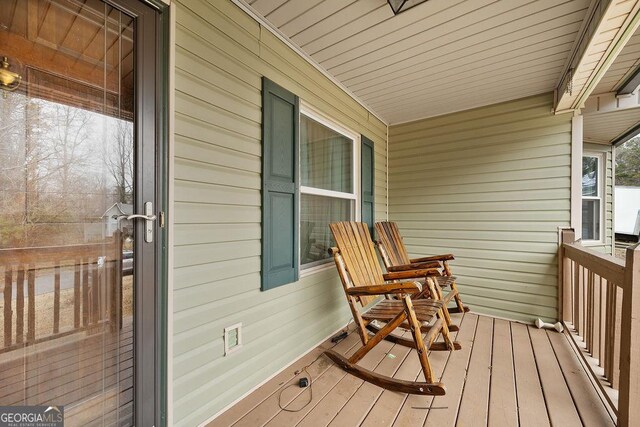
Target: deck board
358	407
560	405
503	406
444	409
581	388
88	373
506	374
475	397
532	411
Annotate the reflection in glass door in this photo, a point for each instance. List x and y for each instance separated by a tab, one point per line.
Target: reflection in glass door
67	185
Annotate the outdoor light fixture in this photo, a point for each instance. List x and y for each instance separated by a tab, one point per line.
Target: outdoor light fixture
9	81
401	5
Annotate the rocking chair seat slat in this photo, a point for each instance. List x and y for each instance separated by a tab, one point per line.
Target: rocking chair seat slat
387	309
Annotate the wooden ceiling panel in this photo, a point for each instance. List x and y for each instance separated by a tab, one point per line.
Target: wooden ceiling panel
438	57
625	63
603	128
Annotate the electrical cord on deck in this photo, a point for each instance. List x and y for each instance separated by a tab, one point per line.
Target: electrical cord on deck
284	408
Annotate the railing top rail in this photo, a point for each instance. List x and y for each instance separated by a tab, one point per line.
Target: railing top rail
604	265
57	253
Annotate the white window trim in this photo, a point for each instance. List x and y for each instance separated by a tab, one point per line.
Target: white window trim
601	197
334	125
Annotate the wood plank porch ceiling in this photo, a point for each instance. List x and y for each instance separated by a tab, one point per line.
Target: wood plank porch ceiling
439	57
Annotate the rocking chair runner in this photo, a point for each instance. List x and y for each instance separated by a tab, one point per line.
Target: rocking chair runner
396	259
363	282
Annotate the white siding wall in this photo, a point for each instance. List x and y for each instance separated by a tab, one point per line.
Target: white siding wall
492	186
221	55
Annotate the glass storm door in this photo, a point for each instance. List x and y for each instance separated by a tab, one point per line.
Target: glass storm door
77	209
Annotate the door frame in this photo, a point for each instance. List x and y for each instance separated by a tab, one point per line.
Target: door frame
152	113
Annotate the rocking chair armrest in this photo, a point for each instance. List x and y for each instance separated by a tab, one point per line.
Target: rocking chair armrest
411	274
413	266
443	257
388	288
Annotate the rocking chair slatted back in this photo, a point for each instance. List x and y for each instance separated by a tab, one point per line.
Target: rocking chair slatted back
359	256
391	239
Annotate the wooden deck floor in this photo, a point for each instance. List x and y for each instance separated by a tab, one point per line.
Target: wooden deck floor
507	374
90	374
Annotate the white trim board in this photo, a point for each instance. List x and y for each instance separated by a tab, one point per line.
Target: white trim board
170	210
576	174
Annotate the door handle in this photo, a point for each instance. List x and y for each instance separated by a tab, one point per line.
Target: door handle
145	217
148	218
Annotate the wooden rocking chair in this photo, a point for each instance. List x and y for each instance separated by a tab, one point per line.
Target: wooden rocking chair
396	259
363	282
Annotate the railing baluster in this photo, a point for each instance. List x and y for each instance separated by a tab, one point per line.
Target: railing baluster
76	294
31	289
576	296
20	305
589	320
617	323
595	337
581	300
603	320
8	312
609	332
95	293
85	291
56	297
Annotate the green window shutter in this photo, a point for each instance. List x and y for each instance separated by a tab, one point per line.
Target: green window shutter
367	182
280	189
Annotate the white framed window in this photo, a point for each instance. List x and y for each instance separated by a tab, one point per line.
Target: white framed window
329	168
592	200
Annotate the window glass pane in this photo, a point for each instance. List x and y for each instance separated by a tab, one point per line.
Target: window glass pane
589	176
591	219
316	213
326	157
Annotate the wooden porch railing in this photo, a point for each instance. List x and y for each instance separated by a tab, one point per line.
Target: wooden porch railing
601	308
97	294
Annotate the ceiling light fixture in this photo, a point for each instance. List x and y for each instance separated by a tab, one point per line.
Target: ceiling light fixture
9	81
398	6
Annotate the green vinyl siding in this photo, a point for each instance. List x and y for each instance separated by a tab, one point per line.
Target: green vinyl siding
607	243
221	55
490	185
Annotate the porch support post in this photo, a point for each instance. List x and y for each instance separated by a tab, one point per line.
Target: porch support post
628	407
576	174
567	235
